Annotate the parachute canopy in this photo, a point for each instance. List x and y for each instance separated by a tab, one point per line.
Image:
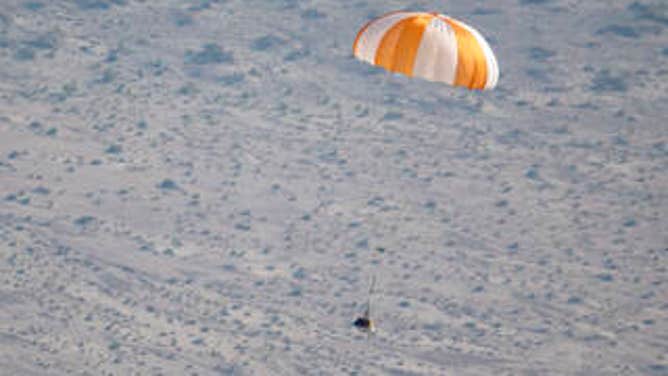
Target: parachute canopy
428	45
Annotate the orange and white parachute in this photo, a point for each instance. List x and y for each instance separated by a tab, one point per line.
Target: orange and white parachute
428	45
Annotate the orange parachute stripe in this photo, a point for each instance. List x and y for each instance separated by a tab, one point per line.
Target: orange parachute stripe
471	62
399	46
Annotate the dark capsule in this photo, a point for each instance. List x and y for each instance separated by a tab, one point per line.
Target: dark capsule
364	323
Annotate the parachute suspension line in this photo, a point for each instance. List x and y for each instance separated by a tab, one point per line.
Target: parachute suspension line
371	291
374	224
365	322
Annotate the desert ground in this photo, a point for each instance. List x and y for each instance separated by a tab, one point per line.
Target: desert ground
207	188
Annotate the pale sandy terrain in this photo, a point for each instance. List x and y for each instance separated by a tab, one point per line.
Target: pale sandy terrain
206	187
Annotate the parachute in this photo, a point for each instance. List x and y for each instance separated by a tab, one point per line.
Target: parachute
428	45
